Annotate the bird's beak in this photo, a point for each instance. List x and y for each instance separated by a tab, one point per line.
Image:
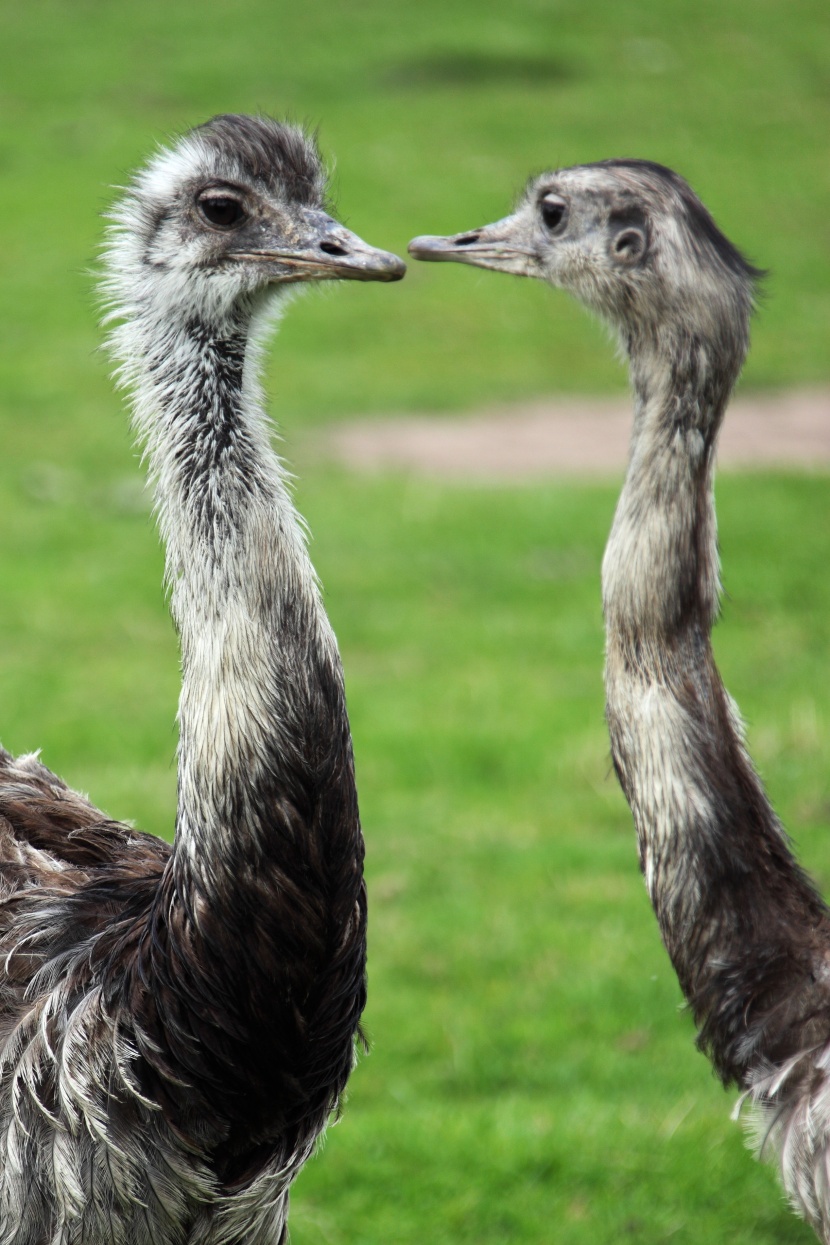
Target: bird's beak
493	246
326	251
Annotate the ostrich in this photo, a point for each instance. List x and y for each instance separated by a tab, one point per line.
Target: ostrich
177	1024
746	930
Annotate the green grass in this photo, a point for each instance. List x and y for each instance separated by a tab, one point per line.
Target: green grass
530	1078
436	113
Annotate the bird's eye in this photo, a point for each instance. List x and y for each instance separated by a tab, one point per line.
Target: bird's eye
222	211
553	210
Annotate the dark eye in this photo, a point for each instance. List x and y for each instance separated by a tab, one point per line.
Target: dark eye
553	210
223	211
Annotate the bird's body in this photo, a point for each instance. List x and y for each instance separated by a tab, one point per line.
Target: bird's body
178	1023
746	930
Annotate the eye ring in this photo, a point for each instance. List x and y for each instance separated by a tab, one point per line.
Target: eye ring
554	212
222	211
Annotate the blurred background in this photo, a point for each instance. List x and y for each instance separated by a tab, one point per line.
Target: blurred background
530	1079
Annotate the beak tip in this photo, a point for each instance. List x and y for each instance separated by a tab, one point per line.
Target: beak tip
376	265
426	247
397	271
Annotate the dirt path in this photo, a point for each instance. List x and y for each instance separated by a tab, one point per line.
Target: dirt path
578	437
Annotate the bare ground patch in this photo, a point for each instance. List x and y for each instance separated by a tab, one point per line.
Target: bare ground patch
574	436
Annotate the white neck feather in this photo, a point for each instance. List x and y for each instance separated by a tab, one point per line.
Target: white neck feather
661	565
237	566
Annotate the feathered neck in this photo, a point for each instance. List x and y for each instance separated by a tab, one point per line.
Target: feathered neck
243	593
736	913
263	897
661	570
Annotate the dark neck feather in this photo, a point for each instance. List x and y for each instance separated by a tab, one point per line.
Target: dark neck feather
745	928
214	449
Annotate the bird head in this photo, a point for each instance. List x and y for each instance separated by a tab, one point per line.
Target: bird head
235	209
628	238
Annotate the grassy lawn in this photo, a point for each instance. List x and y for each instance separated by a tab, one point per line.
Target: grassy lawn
436	113
530	1079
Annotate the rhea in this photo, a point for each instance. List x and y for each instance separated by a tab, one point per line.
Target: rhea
747	932
177	1024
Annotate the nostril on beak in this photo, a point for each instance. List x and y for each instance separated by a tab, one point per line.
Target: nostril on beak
333	248
467	240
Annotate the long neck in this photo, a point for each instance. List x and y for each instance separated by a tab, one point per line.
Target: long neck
243	593
263	902
742	924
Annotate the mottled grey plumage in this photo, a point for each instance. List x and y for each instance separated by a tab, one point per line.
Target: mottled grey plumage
746	930
178	1023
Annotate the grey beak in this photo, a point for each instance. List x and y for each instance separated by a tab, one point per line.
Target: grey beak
343	254
325	251
435	248
491	246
